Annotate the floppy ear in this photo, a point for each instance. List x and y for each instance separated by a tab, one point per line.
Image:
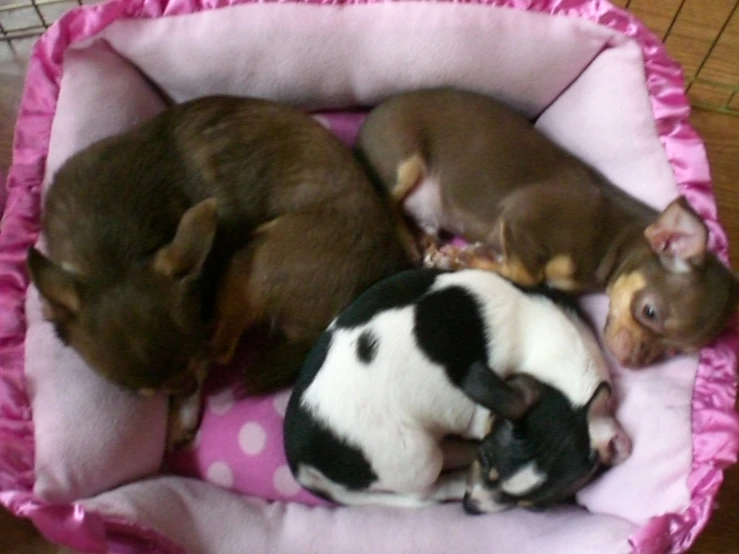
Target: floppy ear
510	399
183	258
679	237
59	289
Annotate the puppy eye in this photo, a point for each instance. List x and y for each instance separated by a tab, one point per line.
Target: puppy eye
649	312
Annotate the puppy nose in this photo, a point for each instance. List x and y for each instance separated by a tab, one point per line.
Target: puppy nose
616	450
471	506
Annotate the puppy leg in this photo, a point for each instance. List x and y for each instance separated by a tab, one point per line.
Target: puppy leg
458	453
449	486
478	256
409	175
235	310
185	413
451	257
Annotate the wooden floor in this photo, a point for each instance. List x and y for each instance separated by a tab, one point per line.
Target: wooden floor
721	135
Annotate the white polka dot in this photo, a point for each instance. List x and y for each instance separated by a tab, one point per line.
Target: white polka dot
323	121
252	438
222	402
284	482
280	402
220	474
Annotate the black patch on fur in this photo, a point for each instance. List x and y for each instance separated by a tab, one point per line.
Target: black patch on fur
367	347
309	442
450	330
402	289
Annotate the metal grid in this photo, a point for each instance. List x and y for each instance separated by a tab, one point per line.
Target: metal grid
21	21
702	34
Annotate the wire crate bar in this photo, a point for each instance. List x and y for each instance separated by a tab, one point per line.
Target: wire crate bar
703	35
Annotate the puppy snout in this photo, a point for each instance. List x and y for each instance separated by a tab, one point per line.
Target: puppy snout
471	506
622	345
614	450
633	349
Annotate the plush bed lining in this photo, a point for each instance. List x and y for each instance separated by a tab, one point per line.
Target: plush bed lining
364	54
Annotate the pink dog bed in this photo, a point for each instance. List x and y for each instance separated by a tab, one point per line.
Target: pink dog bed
85	461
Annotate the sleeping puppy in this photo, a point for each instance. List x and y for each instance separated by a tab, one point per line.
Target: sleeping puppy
532	461
468	165
219	216
426	354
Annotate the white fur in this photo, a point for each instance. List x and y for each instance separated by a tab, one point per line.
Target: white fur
531	335
397	408
524	480
424	204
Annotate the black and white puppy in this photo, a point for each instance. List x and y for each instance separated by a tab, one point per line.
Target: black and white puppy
426	354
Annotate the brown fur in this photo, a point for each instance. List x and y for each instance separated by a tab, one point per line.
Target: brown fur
219	216
538	214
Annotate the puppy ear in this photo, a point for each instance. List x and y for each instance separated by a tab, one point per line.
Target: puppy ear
183	258
679	237
59	289
510	399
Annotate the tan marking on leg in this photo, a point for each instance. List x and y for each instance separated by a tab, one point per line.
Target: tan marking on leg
513	270
410	172
560	272
234	311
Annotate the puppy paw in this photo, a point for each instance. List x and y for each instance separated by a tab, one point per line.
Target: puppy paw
445	257
480	256
184	421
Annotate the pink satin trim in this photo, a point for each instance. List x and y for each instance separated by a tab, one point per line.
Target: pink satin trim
715	423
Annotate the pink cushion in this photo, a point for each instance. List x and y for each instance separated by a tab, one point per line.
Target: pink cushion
91	437
588	84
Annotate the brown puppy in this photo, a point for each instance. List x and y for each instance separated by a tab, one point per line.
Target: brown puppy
466	164
220	215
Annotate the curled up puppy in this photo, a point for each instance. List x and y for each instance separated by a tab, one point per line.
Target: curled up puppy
219	217
425	355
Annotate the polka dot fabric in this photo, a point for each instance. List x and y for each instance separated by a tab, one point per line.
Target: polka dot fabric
240	443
